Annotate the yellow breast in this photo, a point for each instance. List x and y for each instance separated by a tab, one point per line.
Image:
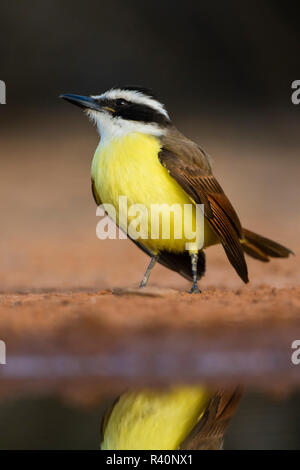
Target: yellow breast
129	166
151	420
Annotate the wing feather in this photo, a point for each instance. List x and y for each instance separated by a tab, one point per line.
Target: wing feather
190	167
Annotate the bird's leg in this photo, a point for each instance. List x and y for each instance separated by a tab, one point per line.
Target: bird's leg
151	265
194	260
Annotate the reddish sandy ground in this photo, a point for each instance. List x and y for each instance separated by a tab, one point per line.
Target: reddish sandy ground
56	276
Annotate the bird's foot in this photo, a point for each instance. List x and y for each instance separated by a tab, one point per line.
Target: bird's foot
195	289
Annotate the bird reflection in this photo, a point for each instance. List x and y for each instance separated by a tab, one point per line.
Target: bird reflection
181	417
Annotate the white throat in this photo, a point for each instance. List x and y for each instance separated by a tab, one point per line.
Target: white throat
110	127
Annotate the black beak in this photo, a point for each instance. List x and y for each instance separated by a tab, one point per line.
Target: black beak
85	102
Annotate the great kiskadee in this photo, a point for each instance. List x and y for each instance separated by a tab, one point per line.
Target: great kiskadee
141	155
181	417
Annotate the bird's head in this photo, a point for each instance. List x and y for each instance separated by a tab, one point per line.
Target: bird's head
124	110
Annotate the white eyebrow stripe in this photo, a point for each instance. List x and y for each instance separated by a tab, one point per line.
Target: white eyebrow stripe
135	97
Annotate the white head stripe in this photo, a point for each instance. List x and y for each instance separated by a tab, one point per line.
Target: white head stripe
134	97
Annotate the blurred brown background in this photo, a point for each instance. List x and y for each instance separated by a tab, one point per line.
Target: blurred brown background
224	70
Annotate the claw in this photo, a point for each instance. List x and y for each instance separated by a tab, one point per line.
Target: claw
195	289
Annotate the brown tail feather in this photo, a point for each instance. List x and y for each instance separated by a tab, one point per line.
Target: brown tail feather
263	248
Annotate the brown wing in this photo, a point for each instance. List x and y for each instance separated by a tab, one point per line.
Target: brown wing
209	432
190	167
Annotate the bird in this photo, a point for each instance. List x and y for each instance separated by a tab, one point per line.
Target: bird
179	417
143	156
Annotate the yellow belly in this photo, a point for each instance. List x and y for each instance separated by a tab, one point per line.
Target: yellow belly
151	420
129	166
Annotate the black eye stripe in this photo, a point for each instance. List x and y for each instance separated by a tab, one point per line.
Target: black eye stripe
121	102
134	111
142	113
113	103
106	102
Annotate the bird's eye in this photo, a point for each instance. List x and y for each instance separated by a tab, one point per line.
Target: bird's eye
121	102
